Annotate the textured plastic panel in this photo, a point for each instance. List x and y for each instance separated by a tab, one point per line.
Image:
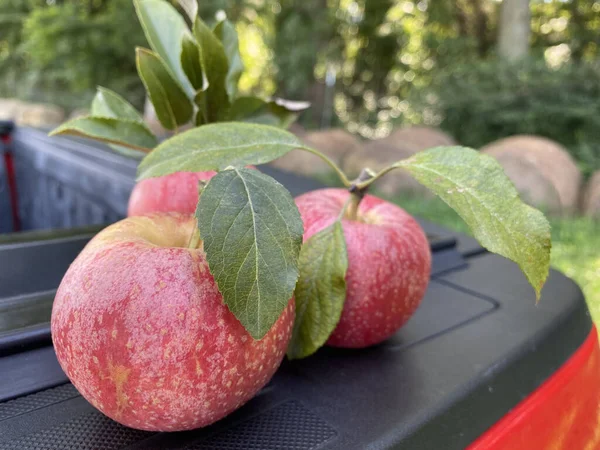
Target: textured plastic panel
33	267
290	426
91	431
38	400
62	183
463	361
26	372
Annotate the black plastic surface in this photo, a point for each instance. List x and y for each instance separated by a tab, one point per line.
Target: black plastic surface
65	183
6	127
476	347
461	363
33	267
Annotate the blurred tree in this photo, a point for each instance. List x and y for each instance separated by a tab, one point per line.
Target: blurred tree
303	45
63	49
485	100
379	57
12	59
372	54
570	28
514	29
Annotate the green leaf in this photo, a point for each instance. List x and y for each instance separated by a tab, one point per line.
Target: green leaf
190	7
226	32
107	103
190	61
106	129
164	29
252	233
128	152
200	118
217	146
214	101
172	106
277	112
320	292
475	186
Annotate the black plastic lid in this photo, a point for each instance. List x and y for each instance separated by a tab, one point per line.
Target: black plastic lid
475	348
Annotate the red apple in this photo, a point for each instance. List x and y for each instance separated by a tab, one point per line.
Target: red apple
141	329
389	264
176	192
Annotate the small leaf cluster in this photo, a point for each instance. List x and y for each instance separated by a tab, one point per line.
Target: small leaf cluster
190	75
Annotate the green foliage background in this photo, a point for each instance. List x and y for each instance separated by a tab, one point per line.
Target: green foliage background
59	51
478	103
389	62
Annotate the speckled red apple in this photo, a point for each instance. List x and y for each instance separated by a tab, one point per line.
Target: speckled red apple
141	330
389	264
177	192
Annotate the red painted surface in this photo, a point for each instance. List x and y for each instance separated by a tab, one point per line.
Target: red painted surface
389	263
562	414
12	183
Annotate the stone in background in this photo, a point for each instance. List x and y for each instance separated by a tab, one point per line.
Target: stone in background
591	196
335	143
400	144
541	170
37	115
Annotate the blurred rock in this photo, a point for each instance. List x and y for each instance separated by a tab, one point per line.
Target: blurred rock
380	153
10	108
156	127
79	112
297	129
591	197
421	137
40	115
336	143
533	163
400	144
533	186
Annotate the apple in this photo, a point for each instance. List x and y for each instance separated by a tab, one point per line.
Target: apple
141	329
176	192
389	264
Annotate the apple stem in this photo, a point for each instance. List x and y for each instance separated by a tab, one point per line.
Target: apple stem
331	164
357	194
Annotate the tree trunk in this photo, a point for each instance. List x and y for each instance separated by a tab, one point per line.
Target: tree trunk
578	26
514	29
481	28
461	19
